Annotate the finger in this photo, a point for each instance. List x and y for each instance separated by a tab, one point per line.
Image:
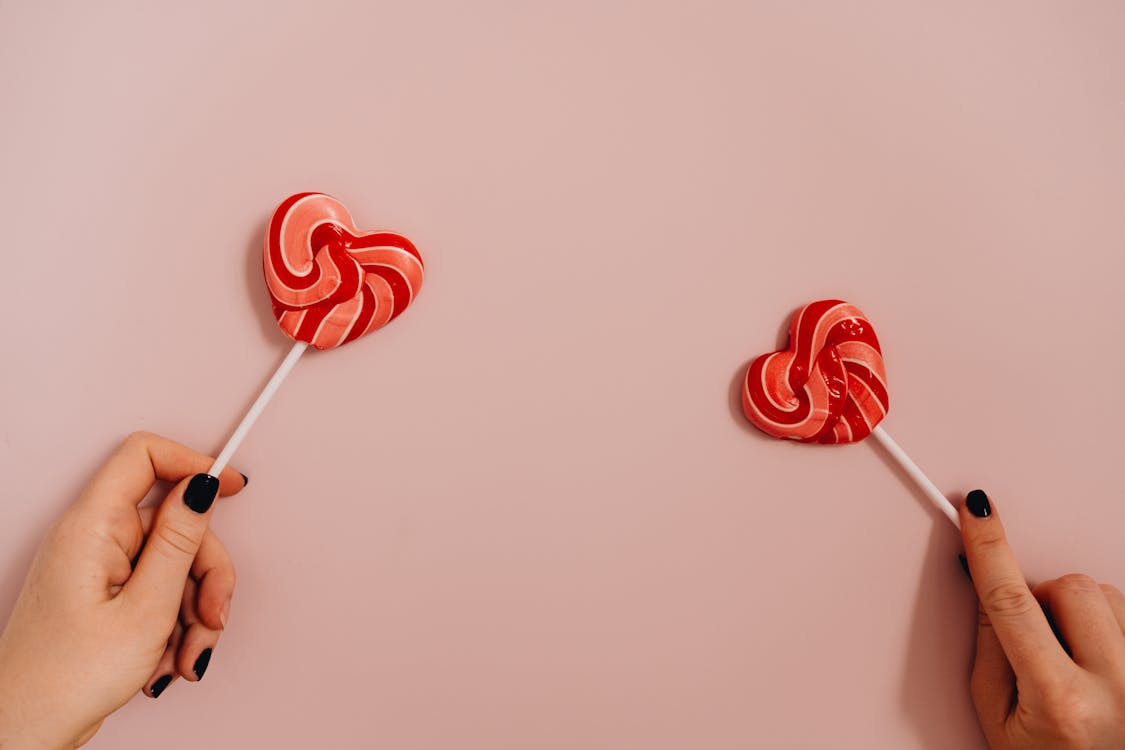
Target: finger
165	672
195	651
1012	611
214	572
993	683
128	475
1116	603
157	583
1085	620
199	640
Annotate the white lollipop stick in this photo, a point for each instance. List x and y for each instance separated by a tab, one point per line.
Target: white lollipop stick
929	489
258	407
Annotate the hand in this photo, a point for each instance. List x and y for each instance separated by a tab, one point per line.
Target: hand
89	628
1031	688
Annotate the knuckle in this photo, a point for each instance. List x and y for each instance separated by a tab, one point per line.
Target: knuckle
1078	582
1111	591
177	539
136	437
988	538
1008	599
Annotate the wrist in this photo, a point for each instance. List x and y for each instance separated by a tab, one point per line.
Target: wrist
21	728
24	722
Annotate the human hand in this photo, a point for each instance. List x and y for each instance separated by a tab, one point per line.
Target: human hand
1031	690
89	628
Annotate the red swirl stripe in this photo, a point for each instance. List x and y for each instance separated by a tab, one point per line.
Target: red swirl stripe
828	386
329	282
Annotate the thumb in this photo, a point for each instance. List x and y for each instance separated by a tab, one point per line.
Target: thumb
177	531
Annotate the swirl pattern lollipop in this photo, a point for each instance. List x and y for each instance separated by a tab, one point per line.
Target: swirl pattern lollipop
329	282
829	386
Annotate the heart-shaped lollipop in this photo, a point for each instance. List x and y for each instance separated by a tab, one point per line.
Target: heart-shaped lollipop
829	386
329	282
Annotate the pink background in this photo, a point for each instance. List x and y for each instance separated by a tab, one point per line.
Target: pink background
528	514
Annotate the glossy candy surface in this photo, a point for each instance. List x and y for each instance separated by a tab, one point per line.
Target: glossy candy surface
329	282
828	386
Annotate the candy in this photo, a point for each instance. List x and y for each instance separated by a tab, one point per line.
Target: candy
329	282
828	386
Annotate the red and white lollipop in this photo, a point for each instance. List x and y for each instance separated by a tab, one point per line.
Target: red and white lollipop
829	386
330	283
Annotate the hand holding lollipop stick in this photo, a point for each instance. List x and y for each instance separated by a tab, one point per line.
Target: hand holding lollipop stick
829	386
330	284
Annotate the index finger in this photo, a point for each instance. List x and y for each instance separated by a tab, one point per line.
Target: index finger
1014	613
128	475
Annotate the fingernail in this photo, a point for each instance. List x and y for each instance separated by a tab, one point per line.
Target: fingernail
245	479
977	503
223	613
200	492
158	686
201	663
965	566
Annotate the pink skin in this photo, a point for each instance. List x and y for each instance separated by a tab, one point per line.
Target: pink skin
89	629
1064	700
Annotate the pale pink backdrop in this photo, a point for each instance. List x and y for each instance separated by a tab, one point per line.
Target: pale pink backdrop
528	514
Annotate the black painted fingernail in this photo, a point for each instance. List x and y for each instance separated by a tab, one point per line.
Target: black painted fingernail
158	686
201	663
200	492
977	503
245	479
965	566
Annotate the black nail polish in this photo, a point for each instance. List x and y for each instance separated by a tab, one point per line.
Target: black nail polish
977	503
965	566
201	663
200	492
245	479
158	686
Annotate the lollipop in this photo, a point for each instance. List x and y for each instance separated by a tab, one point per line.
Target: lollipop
829	386
329	283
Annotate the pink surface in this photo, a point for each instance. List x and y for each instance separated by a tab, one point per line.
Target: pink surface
530	513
